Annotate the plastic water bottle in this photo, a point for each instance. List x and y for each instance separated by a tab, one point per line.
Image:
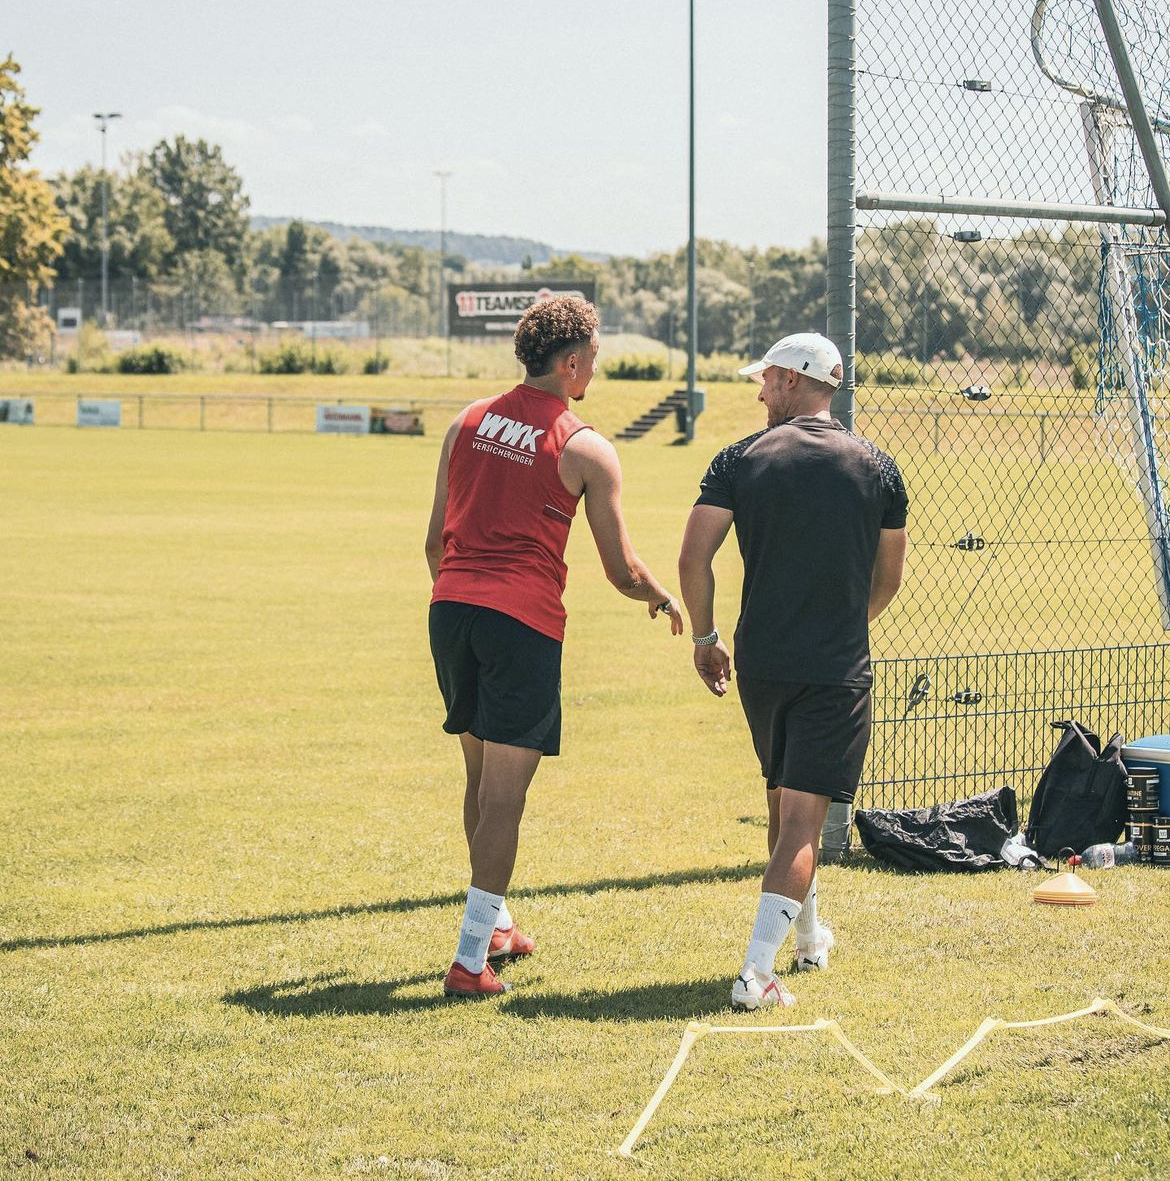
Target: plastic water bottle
1107	856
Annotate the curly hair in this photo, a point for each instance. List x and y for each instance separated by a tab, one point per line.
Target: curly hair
551	327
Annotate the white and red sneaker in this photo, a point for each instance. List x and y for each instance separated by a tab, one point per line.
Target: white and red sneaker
461	982
509	944
814	956
752	991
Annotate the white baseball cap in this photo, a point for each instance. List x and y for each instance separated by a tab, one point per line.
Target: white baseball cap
806	352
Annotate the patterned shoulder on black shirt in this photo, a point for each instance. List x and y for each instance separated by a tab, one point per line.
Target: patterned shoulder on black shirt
724	464
891	477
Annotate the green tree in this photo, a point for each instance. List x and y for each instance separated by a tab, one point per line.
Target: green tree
31	228
139	241
205	206
207	288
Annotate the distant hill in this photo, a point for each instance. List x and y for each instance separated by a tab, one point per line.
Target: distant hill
477	248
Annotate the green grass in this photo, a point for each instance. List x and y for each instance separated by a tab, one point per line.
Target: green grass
232	864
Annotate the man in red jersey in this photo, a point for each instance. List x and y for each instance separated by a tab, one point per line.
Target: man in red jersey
511	472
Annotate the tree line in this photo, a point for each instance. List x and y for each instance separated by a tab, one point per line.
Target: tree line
179	225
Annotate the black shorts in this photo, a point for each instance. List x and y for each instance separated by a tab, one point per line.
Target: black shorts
500	678
809	738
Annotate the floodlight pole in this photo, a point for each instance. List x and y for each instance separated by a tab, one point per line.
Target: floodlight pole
695	400
103	122
444	327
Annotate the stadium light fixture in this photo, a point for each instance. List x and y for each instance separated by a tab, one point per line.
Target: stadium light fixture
104	120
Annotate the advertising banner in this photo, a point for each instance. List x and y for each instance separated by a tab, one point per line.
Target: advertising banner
393	420
18	410
494	309
98	412
343	420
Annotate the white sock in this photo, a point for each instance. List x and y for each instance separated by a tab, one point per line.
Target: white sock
479	920
807	927
773	918
504	918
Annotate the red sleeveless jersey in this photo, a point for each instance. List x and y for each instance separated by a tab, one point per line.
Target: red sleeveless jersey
508	514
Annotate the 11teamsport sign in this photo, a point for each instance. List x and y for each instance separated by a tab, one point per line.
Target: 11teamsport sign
491	309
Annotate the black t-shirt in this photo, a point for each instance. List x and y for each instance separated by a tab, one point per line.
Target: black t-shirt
810	501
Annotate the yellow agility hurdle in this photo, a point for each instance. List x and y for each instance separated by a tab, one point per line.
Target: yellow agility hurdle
1100	1005
697	1030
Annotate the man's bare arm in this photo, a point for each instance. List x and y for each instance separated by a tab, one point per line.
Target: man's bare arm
589	464
434	543
706	531
887	570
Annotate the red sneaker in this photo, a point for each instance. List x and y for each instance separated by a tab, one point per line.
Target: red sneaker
509	944
462	983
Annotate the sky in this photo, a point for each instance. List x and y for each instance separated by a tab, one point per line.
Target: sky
562	123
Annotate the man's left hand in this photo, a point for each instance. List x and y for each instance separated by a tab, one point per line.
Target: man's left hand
713	664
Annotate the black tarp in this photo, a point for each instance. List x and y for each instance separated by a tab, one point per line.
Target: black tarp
963	835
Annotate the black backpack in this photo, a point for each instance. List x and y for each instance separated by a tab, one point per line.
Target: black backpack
1080	800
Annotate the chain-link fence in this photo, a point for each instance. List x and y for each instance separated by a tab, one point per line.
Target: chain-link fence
1011	354
151	306
209	322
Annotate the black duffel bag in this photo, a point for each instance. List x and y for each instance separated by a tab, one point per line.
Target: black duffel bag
1080	800
964	835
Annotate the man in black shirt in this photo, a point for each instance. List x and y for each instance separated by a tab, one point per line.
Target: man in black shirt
820	518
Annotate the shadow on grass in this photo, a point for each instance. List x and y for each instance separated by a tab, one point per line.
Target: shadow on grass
653	1002
335	996
683	877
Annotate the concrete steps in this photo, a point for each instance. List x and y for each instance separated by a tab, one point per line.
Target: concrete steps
652	417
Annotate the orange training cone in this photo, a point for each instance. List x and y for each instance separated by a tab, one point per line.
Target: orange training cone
1066	889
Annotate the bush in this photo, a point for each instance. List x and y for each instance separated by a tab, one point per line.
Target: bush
92	351
297	356
1083	368
329	361
897	372
635	368
720	367
150	360
376	363
293	357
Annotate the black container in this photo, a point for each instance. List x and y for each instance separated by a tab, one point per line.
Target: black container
1141	832
1142	789
1161	843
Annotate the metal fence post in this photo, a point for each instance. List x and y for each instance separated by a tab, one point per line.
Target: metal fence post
840	305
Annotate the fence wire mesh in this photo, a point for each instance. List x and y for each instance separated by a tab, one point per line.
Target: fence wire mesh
1015	367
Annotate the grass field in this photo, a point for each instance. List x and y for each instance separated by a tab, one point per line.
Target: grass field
232	869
